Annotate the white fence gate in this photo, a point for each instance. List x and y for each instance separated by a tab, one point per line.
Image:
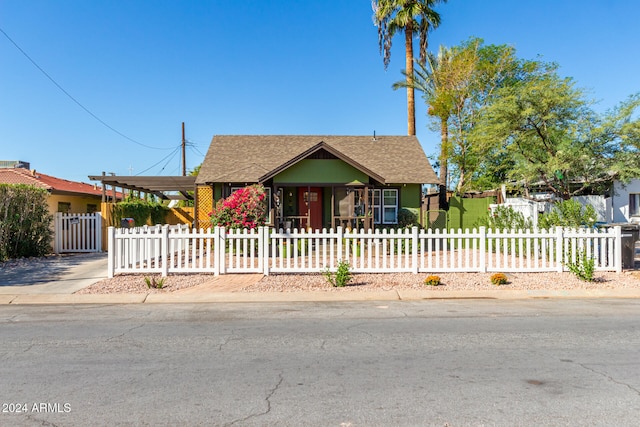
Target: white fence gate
78	232
167	250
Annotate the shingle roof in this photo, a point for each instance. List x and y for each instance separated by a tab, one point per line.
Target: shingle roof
248	158
48	182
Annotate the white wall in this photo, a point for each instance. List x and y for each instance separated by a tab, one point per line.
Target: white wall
599	204
620	202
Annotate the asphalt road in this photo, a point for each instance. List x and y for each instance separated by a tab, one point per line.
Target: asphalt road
440	363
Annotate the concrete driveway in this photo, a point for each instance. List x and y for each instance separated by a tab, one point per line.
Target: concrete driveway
56	274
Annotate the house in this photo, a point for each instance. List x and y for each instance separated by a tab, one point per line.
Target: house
64	196
318	181
625	202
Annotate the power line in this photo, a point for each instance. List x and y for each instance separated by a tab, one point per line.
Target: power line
76	101
168	156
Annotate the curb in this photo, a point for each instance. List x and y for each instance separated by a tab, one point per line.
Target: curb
318	296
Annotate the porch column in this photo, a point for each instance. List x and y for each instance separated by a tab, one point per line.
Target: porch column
333	207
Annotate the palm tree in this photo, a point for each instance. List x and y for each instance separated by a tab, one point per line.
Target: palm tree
435	83
408	16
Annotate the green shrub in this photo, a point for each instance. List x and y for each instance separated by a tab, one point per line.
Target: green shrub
582	267
568	213
25	222
498	279
407	218
342	275
505	218
153	283
142	211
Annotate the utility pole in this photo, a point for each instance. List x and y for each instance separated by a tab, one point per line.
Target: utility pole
184	160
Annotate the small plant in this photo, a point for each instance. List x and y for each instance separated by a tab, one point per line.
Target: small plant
583	267
432	280
499	279
342	275
153	283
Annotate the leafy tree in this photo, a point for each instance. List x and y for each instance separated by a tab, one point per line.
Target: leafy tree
458	84
556	141
409	17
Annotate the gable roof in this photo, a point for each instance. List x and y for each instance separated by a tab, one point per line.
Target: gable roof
48	182
257	158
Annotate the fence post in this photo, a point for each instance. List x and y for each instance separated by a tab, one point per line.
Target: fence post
340	232
111	251
216	249
57	234
617	234
222	247
414	249
263	249
560	249
483	249
98	231
164	250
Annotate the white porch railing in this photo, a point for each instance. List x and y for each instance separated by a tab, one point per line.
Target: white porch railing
178	250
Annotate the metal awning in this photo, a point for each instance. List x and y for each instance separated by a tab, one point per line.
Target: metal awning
164	187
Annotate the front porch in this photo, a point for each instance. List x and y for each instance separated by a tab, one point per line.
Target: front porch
316	207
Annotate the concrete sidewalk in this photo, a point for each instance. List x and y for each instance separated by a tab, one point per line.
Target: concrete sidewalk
244	297
55	279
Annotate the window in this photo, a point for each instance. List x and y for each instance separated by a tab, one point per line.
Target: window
91	208
634	204
389	206
384	205
375	205
64	207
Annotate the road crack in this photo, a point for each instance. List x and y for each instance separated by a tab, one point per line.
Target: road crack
610	378
124	333
267	400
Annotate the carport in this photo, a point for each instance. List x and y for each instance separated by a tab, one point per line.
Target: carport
164	187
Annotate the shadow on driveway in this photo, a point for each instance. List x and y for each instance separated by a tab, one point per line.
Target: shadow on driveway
53	268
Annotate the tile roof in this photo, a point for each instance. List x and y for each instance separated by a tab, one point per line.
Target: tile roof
48	182
248	158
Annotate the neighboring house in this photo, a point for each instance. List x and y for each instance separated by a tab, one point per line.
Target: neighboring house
625	202
318	181
64	196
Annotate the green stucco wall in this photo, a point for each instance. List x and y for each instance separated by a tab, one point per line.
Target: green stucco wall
464	213
329	171
410	195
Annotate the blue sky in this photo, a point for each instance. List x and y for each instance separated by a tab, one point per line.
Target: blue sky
255	67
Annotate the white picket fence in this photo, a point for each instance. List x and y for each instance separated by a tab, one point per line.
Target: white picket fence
176	249
81	232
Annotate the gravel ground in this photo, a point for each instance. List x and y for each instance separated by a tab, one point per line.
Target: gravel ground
135	283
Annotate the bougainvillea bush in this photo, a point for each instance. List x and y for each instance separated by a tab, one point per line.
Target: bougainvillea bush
244	208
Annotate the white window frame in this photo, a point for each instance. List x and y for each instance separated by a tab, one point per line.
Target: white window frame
386	206
375	205
378	205
634	204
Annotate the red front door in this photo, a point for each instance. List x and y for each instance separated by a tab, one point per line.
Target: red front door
310	201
